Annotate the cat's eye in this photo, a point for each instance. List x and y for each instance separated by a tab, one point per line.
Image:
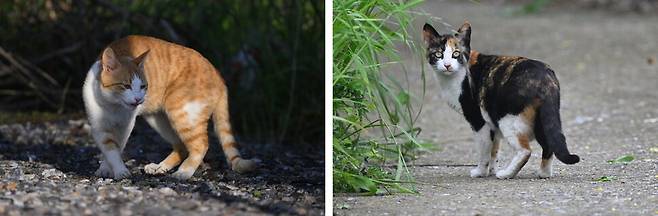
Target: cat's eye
126	86
143	86
455	54
438	54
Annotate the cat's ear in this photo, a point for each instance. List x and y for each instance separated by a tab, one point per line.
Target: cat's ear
109	59
464	34
139	61
429	33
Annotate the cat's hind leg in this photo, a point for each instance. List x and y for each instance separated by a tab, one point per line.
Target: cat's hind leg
160	123
546	165
516	130
497	136
483	140
190	120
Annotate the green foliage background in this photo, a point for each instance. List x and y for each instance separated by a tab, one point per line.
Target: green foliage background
373	116
271	52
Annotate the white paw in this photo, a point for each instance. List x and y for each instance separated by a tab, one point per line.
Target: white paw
155	169
505	174
479	172
544	173
104	171
182	174
121	173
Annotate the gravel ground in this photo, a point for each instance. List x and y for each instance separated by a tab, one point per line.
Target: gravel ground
607	68
47	169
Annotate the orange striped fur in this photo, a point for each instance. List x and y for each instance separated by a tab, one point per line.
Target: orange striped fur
184	90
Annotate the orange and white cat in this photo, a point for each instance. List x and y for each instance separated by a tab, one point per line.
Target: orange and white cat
174	88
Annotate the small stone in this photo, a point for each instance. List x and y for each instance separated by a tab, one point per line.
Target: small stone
132	189
230	187
185	205
131	162
88	212
157	211
301	211
28	177
11	186
53	174
309	199
167	191
126	211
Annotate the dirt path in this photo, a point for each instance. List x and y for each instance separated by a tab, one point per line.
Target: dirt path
609	109
47	169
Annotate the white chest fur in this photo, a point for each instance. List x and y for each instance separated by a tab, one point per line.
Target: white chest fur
451	88
101	113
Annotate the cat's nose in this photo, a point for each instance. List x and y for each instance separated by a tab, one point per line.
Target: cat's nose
447	66
139	100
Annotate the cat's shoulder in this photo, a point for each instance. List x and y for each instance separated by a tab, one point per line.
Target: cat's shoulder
492	60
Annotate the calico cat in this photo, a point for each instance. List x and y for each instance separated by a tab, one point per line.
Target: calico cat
501	97
174	88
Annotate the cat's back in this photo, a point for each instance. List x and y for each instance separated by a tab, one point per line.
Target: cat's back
134	45
163	57
168	64
500	69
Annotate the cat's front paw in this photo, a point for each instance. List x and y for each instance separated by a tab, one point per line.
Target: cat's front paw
121	173
104	171
505	174
479	172
155	169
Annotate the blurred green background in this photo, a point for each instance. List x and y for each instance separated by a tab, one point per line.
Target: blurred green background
270	52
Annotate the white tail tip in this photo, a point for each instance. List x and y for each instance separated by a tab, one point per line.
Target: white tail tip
243	166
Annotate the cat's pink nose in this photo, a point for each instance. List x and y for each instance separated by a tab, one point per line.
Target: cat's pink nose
447	66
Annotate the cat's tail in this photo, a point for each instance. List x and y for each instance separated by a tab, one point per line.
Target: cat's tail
549	113
229	146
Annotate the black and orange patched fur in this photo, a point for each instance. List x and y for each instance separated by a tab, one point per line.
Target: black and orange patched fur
502	97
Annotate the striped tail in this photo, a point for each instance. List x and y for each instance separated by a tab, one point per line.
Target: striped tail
229	146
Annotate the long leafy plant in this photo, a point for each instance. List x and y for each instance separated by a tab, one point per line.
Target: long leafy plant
373	115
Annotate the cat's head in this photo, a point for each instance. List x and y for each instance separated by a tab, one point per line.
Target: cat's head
122	78
448	54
